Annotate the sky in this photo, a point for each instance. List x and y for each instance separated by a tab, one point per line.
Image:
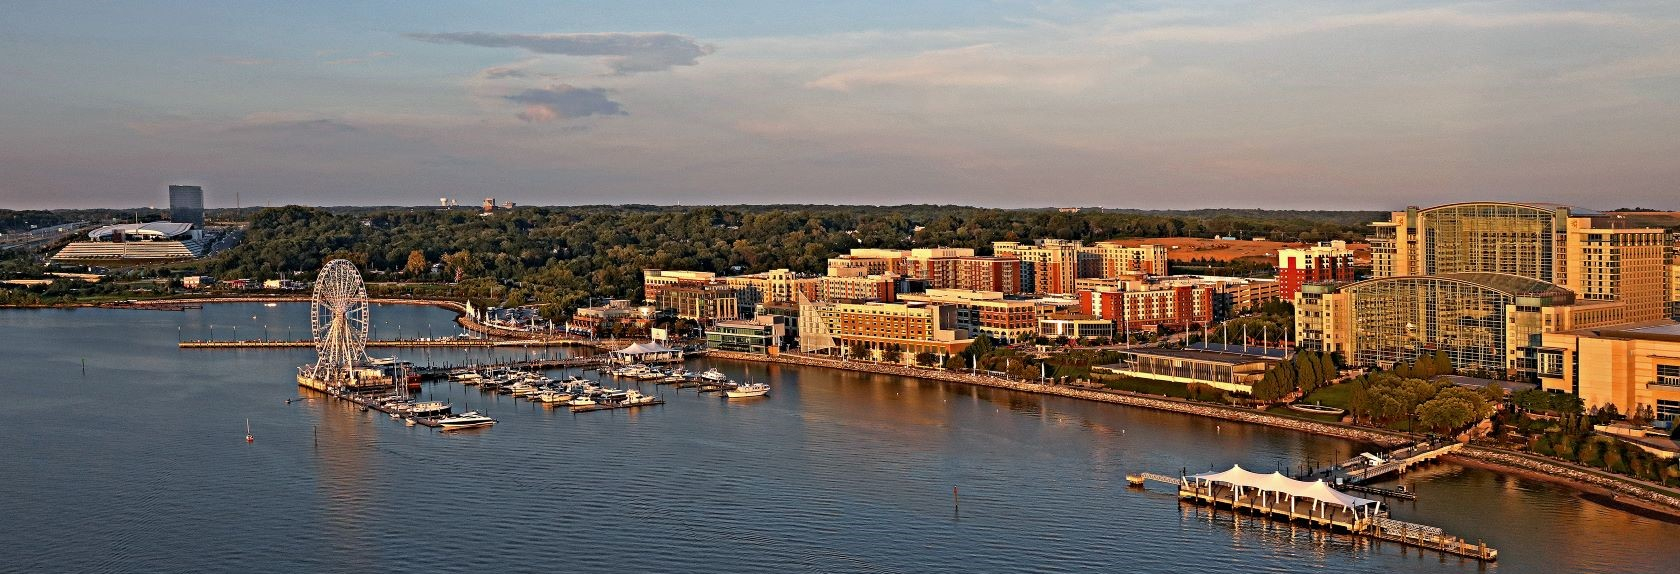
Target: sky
1349	104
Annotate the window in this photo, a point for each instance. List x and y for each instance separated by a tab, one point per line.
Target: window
1668	375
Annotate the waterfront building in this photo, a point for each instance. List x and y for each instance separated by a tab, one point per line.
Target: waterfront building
186	204
656	280
1075	326
1328	261
1235	372
760	335
703	304
1628	366
1591	254
154	242
197	281
1482	320
1055	262
989	313
591	320
936	265
1236	294
907	327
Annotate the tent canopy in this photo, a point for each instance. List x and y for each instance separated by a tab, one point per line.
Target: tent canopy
1276	482
645	349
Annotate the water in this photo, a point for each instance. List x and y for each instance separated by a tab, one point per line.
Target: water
141	465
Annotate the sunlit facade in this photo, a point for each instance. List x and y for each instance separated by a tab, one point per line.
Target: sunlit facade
1482	320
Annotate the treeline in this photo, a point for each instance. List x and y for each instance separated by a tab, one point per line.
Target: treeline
563	255
1306	371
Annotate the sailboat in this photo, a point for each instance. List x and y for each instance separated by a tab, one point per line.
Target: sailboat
248	437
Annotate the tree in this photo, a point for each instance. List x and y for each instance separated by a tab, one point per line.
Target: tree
1445	414
893	354
859	350
927	359
417	264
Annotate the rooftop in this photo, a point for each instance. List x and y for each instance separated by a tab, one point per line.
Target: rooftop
1201	355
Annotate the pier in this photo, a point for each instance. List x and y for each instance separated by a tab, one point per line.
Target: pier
1313	503
258	343
1362	469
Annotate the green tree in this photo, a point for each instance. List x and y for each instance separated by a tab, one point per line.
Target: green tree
1445	414
927	359
859	350
892	354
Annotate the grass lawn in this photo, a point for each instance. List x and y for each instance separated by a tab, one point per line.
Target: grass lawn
1331	396
1148	386
1284	411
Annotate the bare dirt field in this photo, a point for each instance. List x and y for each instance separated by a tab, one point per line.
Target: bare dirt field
1187	248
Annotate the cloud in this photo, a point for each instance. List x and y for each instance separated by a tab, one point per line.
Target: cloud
500	72
235	61
981	66
564	101
316	127
624	53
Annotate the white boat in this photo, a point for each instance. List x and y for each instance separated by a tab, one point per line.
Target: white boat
430	409
551	396
519	388
468	378
745	390
580	402
714	375
634	397
469	419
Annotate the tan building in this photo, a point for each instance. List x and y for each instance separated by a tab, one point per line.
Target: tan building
908	327
1075	326
777	286
987	312
873	261
853	285
1629	366
655	280
1588	253
1115	259
703	304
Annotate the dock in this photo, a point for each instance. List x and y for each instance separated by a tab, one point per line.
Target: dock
1361	469
593	408
1312	503
465	342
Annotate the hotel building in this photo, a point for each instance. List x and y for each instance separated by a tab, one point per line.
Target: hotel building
987	313
909	327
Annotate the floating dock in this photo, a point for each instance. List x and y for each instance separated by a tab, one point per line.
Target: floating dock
593	408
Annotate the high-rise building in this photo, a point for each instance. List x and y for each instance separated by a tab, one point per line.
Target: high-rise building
1115	259
1330	261
1055	262
1000	274
1484	281
186	204
1590	253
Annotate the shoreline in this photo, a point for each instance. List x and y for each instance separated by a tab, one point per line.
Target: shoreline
1594	486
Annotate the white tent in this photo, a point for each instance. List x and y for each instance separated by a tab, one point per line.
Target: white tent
639	352
1275	484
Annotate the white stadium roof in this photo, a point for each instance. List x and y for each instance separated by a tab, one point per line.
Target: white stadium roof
155	229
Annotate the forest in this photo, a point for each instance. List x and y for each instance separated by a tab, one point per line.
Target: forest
562	256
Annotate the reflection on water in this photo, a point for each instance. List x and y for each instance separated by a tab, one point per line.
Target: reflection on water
141	465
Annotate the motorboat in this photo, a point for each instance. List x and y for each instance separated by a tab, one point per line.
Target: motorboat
580	401
469	419
714	375
746	390
634	397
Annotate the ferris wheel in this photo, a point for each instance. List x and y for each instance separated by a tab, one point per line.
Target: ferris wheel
338	319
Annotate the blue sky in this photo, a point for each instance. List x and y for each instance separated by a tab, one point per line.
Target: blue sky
1141	104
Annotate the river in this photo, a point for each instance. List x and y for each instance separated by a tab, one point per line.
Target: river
125	453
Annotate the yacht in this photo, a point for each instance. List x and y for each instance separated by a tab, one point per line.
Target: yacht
430	409
469	419
518	388
468	378
745	390
714	375
580	401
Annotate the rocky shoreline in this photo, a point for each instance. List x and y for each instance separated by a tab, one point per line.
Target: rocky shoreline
1494	459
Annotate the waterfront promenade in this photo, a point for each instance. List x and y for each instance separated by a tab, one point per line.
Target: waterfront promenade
1656	499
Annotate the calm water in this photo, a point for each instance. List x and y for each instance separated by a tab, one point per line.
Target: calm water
140	465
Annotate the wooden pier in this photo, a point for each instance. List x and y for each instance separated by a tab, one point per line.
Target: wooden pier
1360	470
